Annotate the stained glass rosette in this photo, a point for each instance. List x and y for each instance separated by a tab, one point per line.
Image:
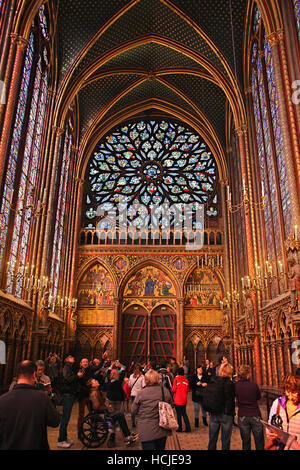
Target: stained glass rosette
143	166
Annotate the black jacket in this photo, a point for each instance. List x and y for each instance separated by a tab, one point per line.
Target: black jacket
83	390
25	414
229	392
193	385
115	391
69	380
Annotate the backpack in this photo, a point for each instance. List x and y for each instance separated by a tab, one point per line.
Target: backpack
165	380
214	396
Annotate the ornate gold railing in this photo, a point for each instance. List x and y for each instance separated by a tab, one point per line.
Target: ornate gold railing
209	237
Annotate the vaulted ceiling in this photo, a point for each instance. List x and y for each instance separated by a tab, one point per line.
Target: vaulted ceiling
115	54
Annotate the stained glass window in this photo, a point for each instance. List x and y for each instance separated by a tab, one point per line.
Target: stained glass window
30	168
256	18
297	15
271	152
145	166
278	139
25	151
63	178
43	22
14	150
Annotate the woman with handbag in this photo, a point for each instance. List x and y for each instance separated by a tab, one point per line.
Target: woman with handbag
146	409
198	384
136	383
285	412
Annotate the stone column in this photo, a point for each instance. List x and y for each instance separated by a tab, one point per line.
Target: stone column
250	239
50	191
116	327
180	329
274	360
75	230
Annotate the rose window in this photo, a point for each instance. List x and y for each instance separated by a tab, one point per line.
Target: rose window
146	166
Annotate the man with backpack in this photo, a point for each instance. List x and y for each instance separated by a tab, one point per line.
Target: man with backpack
219	401
165	378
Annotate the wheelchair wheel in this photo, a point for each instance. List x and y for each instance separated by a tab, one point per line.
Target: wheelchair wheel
93	431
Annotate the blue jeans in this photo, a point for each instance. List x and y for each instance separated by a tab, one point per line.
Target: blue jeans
248	424
217	422
67	401
197	406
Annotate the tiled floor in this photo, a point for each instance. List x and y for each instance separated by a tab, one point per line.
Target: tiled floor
196	440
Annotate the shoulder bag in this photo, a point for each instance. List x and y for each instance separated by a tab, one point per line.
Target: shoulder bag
167	418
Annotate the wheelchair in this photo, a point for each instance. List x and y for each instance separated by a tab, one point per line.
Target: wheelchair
95	429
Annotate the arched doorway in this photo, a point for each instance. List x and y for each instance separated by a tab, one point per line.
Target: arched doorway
163	333
148	335
134	347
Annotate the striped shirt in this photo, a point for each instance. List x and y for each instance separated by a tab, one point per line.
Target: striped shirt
289	424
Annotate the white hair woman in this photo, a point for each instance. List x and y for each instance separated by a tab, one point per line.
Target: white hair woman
145	408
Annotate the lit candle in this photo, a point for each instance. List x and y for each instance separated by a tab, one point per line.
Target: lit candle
243	285
262	189
296	232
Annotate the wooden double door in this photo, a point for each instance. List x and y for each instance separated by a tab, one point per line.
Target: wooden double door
148	335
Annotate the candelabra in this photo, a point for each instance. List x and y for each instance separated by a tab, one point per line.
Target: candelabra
33	283
246	201
210	261
62	303
261	279
231	300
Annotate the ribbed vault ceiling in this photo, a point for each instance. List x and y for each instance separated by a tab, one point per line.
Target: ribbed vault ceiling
115	53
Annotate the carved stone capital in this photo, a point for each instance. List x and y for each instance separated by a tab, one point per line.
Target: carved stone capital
58	130
273	38
242	130
21	43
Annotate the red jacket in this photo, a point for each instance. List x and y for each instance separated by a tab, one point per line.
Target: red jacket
180	388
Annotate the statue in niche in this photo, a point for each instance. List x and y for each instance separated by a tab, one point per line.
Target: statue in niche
249	314
226	324
44	314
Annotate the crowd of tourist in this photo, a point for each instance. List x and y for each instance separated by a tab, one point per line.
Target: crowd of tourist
108	386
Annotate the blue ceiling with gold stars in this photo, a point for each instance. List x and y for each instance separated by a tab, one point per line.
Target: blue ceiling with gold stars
108	48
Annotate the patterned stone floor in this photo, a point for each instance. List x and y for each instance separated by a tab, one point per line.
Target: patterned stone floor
196	440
